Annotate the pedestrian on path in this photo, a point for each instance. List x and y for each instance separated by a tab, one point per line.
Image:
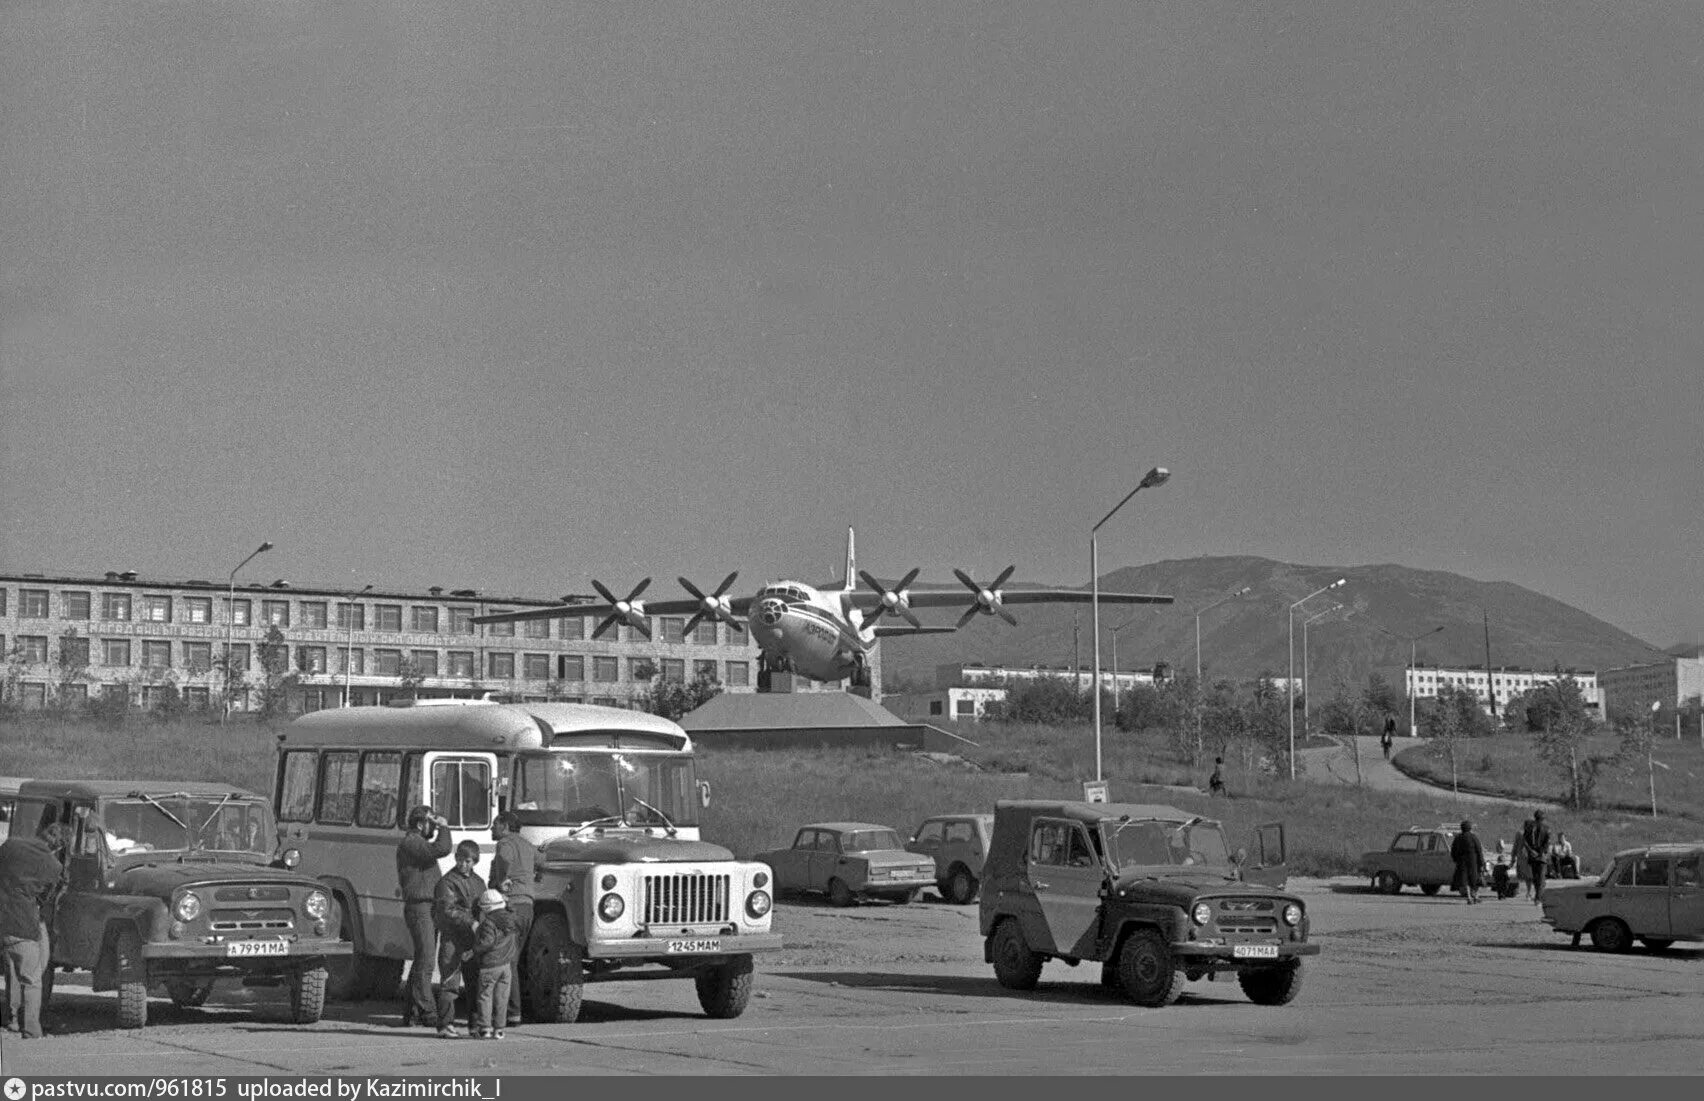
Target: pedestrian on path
1389	736
1469	857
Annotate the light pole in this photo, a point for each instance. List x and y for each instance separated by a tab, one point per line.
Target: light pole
1413	677
231	624
1154	477
1290	682
1244	591
1113	631
349	645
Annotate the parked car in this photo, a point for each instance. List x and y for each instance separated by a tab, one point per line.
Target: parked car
958	843
848	861
1652	894
1149	892
176	884
1418	855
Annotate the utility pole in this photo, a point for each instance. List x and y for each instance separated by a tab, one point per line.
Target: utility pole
1490	692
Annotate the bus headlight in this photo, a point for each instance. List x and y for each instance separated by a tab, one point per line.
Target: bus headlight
1292	914
317	905
757	903
611	907
187	907
1201	913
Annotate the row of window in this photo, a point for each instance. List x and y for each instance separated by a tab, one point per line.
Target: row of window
34	696
318	615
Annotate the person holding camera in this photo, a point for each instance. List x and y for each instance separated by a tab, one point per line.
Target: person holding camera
417	874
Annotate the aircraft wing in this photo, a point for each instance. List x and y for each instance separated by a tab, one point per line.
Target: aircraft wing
684	606
947	598
892	632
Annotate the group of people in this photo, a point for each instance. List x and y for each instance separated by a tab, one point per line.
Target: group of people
470	931
1535	857
32	877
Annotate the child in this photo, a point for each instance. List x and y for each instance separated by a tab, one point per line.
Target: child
494	951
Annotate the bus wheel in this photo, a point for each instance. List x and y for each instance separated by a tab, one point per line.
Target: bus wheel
556	976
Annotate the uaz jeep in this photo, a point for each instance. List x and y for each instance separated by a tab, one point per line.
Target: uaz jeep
1150	892
177	883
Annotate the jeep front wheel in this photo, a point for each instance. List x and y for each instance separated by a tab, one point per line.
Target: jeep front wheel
1016	967
556	977
1272	985
132	972
1145	968
725	989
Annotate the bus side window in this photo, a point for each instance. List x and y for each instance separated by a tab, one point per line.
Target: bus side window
461	792
337	787
381	773
296	789
411	789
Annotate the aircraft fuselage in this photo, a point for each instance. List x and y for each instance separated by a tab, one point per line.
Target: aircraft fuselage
808	631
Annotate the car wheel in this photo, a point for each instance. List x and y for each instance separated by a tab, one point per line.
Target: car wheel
839	894
724	990
1428	889
1272	985
1145	969
556	977
1388	883
307	993
188	993
1657	944
1015	966
1611	935
961	886
132	971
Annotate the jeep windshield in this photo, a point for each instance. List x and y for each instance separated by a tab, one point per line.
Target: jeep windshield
214	826
1150	843
634	789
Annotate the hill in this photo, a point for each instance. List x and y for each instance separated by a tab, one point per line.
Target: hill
1243	637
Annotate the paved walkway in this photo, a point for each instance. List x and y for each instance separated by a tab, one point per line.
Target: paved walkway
1336	764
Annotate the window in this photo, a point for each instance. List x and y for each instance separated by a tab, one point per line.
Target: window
76	694
571	667
642	670
387	617
156	654
2	601
71	605
33	694
32	603
705	632
381	790
197	609
237	612
461	791
425	662
33	649
461	621
1652	871
115	606
574	627
1686	871
313	699
310	659
1062	844
1406	843
115	651
352	617
387	663
460	663
349	661
117	695
604	670
739	674
674	628
424	620
275	613
964	707
606	701
338	787
198	656
704	670
929	833
314	614
535	628
156	609
960	832
535	666
500	666
153	695
937	707
674	669
504	630
240	658
73	653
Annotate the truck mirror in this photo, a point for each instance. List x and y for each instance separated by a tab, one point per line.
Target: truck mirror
704	793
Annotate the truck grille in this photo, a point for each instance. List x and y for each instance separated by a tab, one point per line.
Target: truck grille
1247	916
258	892
685	899
243	921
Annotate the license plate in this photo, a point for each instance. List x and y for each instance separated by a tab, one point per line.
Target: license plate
703	944
1255	952
257	948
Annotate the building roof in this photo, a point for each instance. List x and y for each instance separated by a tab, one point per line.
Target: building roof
787	711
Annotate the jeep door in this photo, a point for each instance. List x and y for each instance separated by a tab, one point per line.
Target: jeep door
1266	861
1067	875
78	926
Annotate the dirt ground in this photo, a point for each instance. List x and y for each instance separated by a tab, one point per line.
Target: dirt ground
1404	985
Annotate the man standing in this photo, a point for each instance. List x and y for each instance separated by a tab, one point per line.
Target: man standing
456	912
1536	836
512	873
29	880
1388	738
1468	856
417	856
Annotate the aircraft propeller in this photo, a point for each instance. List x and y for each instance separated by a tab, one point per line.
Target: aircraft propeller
896	599
712	607
630	611
987	600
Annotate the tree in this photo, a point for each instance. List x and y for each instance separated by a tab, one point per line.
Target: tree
276	675
1447	724
409	678
1379	696
1556	716
1347	714
70	667
1046	701
672	698
1268	728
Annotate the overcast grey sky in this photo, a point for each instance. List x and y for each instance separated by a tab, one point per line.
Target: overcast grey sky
510	295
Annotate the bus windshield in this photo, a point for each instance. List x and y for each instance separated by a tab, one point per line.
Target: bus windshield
638	789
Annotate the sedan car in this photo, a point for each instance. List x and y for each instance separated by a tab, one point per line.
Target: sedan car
848	861
958	843
1652	894
1419	855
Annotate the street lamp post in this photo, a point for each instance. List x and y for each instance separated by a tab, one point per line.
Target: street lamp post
1412	677
1154	477
231	624
1113	631
1290	682
1244	591
349	645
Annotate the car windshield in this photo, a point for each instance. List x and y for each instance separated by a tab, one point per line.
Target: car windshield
179	823
639	789
863	841
1149	843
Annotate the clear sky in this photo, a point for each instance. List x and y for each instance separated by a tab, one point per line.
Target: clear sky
513	294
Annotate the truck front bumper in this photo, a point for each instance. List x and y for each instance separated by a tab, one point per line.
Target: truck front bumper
255	950
1226	953
681	947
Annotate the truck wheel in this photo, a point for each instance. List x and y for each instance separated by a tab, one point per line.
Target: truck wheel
556	977
1015	966
132	971
1145	968
188	993
839	894
307	993
1272	985
961	886
1388	883
725	989
1429	889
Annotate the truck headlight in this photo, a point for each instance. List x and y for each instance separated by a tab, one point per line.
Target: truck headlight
611	907
187	907
757	903
1292	914
1201	913
317	905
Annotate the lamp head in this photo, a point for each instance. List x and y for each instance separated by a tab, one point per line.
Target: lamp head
1154	477
264	547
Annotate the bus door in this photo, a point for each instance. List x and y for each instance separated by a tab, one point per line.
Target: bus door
462	787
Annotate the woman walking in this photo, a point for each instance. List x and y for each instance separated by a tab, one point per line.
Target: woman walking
1469	857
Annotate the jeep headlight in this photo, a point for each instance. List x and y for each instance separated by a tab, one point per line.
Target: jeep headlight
1201	913
317	905
1292	914
611	907
757	904
187	907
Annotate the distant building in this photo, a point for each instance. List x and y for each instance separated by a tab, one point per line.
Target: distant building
1423	682
963	691
1675	682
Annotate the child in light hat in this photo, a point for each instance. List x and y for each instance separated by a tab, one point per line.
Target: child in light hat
494	948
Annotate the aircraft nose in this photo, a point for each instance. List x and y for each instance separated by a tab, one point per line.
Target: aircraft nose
769	611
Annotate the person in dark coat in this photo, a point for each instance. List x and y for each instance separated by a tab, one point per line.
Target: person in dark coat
417	875
455	910
30	876
512	872
1536	835
1469	857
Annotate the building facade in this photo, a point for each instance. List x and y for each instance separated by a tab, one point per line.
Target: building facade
1423	682
68	641
1675	684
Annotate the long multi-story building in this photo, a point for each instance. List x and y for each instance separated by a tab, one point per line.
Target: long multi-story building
65	641
1423	682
